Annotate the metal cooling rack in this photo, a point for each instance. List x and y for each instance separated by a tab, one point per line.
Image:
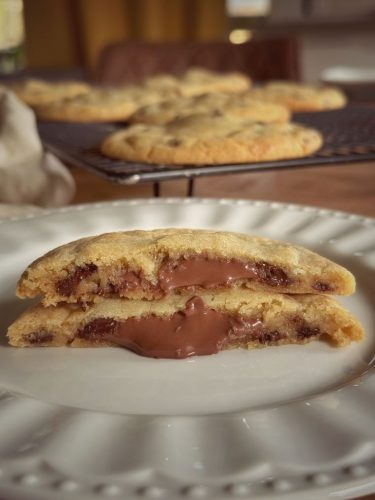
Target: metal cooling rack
349	135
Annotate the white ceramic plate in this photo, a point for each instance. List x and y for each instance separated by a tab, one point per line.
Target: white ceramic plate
296	419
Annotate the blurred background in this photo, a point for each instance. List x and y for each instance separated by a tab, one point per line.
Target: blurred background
122	41
327	39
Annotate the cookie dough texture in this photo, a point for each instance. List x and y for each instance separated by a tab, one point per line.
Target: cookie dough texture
39	92
241	107
300	97
102	105
58	326
198	81
145	251
206	140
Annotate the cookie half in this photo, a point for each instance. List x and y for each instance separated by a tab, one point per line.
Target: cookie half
201	139
241	107
153	264
196	324
102	105
300	97
39	92
198	81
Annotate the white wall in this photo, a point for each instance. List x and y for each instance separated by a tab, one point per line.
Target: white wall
320	50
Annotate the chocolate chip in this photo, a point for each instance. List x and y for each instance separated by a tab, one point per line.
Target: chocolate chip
39	337
322	287
68	285
174	143
268	337
271	275
98	328
305	332
83	305
111	289
216	113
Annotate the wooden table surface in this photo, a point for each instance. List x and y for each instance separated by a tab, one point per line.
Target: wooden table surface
349	187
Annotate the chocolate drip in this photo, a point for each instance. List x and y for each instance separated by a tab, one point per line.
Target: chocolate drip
197	330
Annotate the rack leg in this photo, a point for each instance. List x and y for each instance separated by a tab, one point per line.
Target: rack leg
156	189
190	187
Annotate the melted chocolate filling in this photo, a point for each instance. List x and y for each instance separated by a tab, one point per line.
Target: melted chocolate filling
198	271
209	273
197	330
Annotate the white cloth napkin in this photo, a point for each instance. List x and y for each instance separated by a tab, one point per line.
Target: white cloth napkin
28	175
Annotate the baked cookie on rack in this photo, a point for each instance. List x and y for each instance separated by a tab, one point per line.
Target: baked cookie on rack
198	81
102	105
39	92
201	139
300	97
237	106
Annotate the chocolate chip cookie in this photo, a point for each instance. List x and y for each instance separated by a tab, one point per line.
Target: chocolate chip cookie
300	97
154	264
39	92
241	107
201	139
198	81
102	105
198	323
